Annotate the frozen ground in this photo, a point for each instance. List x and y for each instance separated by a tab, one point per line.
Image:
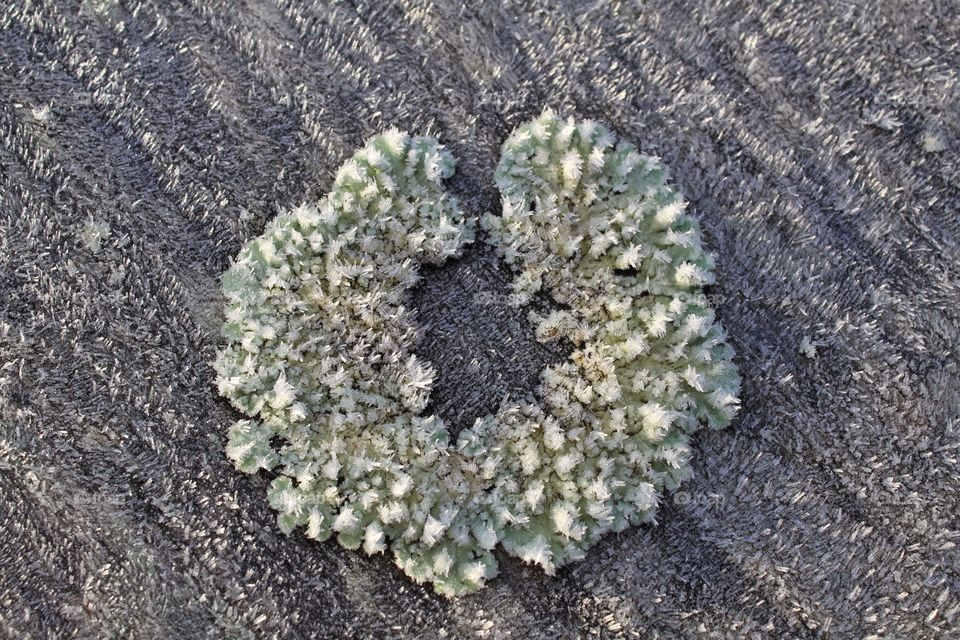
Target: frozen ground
817	142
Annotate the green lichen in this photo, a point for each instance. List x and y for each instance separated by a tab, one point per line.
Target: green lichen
319	356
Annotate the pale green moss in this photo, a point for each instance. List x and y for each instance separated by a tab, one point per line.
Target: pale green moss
319	356
93	233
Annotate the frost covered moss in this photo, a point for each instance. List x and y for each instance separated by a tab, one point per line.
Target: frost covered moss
593	224
93	233
319	356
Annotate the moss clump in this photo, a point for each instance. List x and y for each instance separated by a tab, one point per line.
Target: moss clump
319	356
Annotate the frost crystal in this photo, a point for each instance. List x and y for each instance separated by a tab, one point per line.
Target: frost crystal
319	356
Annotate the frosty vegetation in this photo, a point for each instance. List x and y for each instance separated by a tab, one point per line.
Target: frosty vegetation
93	233
319	356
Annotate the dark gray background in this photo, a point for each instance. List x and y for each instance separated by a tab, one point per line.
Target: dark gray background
797	132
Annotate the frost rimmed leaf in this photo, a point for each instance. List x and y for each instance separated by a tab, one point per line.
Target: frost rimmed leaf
319	358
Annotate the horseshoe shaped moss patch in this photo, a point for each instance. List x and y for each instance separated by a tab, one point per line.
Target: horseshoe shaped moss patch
319	356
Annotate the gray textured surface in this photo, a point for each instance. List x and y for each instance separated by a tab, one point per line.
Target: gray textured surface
797	131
